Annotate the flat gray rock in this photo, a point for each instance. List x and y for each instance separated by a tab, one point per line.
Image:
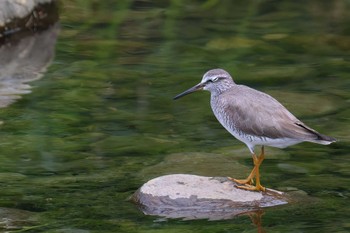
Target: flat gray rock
199	197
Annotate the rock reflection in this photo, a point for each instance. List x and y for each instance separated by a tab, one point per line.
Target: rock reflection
196	214
23	61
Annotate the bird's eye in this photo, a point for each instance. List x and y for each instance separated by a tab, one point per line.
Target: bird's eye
215	79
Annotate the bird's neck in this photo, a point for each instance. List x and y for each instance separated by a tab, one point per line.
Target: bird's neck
222	88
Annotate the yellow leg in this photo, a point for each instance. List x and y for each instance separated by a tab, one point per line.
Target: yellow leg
249	179
258	186
247	183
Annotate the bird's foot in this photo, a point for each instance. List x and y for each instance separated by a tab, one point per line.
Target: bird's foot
252	187
247	181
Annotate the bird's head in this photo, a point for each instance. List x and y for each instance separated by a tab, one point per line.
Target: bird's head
216	81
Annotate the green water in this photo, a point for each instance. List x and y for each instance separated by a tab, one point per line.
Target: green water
102	121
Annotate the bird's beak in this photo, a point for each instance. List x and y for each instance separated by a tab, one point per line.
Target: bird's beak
198	87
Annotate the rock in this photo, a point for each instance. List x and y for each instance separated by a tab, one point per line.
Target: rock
199	197
12	9
22	16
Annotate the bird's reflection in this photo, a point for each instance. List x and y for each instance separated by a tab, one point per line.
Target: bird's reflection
256	218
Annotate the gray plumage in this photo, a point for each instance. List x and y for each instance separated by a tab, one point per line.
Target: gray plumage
254	117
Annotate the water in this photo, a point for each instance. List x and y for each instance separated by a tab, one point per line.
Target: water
102	121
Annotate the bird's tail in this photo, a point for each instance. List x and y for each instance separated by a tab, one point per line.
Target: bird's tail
319	138
324	139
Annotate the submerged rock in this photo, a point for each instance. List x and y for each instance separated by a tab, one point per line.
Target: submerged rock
199	197
15	219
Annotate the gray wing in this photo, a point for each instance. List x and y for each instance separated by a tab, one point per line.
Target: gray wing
257	113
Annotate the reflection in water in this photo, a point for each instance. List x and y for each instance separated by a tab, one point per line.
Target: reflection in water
25	60
256	218
27	44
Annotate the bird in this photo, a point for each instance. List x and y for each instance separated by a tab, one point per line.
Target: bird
255	118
